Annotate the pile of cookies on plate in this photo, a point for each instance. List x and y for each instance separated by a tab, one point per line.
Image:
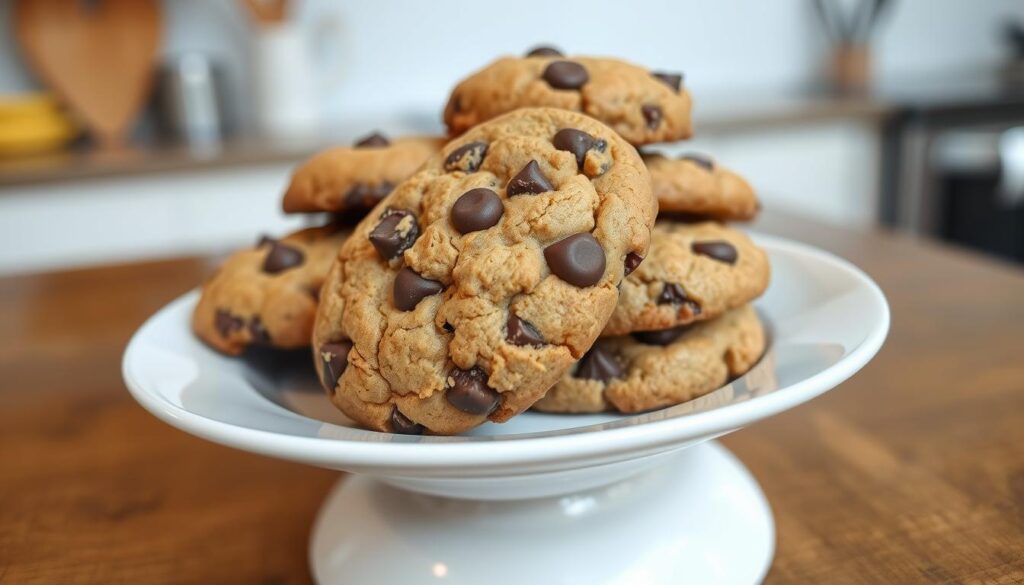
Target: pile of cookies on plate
515	264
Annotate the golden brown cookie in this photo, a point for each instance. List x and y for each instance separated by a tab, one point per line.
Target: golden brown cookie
641	105
695	185
693	272
655	369
355	178
267	295
480	280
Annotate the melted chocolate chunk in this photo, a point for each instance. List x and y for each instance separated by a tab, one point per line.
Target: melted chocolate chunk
259	333
578	260
565	75
672	294
544	51
673	80
466	158
522	332
652	115
411	288
375	140
598	364
281	257
392	236
402	425
334	359
661	337
700	159
476	209
529	180
468	391
719	250
225	323
363	195
633	260
578	143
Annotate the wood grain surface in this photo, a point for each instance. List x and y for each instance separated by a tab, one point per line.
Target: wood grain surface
911	472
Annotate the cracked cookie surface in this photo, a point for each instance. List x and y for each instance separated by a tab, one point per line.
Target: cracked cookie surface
267	295
355	178
478	282
693	272
644	371
696	185
641	105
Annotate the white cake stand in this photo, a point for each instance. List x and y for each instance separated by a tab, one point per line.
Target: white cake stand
543	498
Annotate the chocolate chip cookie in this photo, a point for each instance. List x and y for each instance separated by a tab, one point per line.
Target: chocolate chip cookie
355	178
482	278
267	295
654	369
695	185
641	105
693	272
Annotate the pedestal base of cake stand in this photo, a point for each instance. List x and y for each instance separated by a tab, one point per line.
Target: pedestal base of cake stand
700	517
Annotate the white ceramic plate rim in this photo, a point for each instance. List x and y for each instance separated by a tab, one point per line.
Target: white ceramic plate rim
434	452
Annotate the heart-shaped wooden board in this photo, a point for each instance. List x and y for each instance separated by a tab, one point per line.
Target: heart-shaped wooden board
97	55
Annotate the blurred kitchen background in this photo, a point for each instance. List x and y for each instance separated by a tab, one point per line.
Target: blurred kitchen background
143	128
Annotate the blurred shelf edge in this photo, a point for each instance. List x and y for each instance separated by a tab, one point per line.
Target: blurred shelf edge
75	164
715	115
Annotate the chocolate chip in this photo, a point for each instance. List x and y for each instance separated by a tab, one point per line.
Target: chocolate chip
661	337
281	258
578	260
565	75
467	157
529	180
402	425
632	261
394	234
700	159
264	240
334	358
468	391
718	249
476	209
225	323
578	143
598	364
375	140
544	51
652	114
411	288
448	327
672	294
259	333
673	80
363	195
522	332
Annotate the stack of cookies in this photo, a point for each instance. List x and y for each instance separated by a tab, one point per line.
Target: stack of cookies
518	265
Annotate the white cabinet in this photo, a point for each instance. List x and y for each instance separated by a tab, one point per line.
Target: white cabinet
92	221
825	169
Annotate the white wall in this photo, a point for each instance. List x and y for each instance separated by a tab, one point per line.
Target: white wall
408	53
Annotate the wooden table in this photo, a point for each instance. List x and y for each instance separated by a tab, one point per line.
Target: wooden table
911	472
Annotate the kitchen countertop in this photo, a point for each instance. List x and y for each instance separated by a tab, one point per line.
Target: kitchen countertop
910	472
